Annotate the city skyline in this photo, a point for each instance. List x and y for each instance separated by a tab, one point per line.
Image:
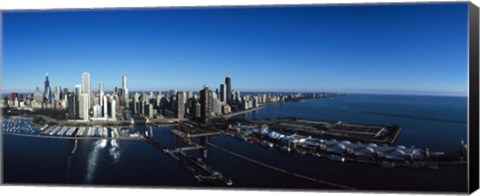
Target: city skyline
389	49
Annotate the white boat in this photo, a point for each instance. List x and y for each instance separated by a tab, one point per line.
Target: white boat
62	131
105	132
70	131
80	132
43	127
134	135
47	130
90	131
52	132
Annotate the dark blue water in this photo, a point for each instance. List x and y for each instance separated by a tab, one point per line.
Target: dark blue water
438	123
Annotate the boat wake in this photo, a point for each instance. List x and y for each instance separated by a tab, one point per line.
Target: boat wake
92	160
115	150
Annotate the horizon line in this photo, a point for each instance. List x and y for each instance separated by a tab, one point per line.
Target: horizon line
439	94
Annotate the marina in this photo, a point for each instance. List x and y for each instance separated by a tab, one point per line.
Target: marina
22	127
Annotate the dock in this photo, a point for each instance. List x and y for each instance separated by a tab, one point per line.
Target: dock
340	130
188	136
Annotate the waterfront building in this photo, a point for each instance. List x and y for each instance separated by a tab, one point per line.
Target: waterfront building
101	93
237	97
105	106
255	101
83	106
226	109
205	103
72	107
97	111
173	103
86	88
117	105
216	106
150	110
125	90
228	84
113	106
223	93
180	109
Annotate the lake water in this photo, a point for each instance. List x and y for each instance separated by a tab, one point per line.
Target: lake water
437	123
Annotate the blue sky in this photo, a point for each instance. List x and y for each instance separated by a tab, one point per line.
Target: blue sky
407	49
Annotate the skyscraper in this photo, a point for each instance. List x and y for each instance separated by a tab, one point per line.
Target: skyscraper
223	93
72	107
228	83
47	84
86	83
125	89
46	92
78	90
180	109
85	96
113	108
83	106
205	104
105	106
86	88
101	92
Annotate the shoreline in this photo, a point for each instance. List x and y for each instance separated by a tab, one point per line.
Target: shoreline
227	116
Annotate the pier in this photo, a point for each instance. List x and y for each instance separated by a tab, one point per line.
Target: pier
365	153
188	135
338	130
198	170
190	148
